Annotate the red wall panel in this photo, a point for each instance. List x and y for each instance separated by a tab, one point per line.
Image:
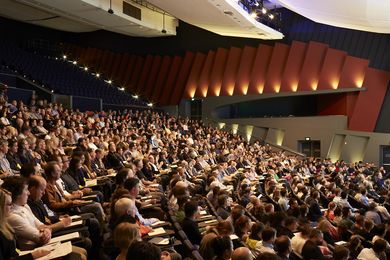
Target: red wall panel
259	69
331	69
231	68
217	72
128	68
124	60
244	70
170	81
144	74
352	75
276	68
193	77
161	77
311	69
182	77
293	67
115	66
139	62
151	80
204	78
369	102
332	104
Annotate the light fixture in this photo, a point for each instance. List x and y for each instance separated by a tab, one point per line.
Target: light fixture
97	75
86	68
150	104
109	81
192	99
52	91
271	16
64	57
123	89
253	14
263	10
307	138
74	62
135	96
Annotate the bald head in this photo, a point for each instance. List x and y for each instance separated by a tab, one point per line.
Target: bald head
125	206
242	253
36	187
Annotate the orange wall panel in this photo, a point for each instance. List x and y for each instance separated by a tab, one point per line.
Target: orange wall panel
182	77
352	75
331	69
311	69
276	68
169	85
259	69
293	67
161	77
369	102
217	72
204	78
151	80
230	73
193	77
244	70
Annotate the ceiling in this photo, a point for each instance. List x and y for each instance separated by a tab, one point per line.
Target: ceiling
87	16
224	17
364	15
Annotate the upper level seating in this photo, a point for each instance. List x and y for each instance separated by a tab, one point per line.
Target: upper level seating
64	77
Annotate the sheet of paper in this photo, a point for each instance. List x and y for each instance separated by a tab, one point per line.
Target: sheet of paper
57	250
90	183
233	237
205	216
154	185
76	223
74	217
69	236
157	231
340	243
157	223
210	221
203	212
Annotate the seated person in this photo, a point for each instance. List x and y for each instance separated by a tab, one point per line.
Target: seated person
189	224
125	234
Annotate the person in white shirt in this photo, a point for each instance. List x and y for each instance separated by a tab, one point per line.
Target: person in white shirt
299	240
375	253
30	232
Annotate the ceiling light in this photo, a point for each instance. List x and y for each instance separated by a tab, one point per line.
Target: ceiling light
253	14
97	75
150	104
123	89
109	81
74	62
271	16
263	10
64	57
86	68
135	96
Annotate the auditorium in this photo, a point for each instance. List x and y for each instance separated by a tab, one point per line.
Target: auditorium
194	129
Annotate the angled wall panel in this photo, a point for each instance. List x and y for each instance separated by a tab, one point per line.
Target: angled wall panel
193	77
161	77
276	68
244	70
311	69
230	73
217	73
170	82
369	102
151	80
331	69
180	83
139	62
204	78
293	67
352	75
144	74
259	69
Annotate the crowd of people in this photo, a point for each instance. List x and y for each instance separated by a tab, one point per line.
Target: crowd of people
107	182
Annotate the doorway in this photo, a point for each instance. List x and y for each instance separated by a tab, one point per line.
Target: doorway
384	158
311	148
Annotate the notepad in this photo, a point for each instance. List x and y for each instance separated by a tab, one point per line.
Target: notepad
340	243
203	212
158	223
154	185
205	216
65	237
57	250
210	221
233	237
75	217
156	232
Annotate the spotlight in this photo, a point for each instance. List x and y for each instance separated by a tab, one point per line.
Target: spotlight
271	16
122	89
257	3
109	81
56	58
263	10
150	104
253	14
64	57
52	91
135	96
86	68
192	99
74	62
97	75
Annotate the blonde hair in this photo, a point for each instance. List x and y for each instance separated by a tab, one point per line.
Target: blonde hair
124	234
5	227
